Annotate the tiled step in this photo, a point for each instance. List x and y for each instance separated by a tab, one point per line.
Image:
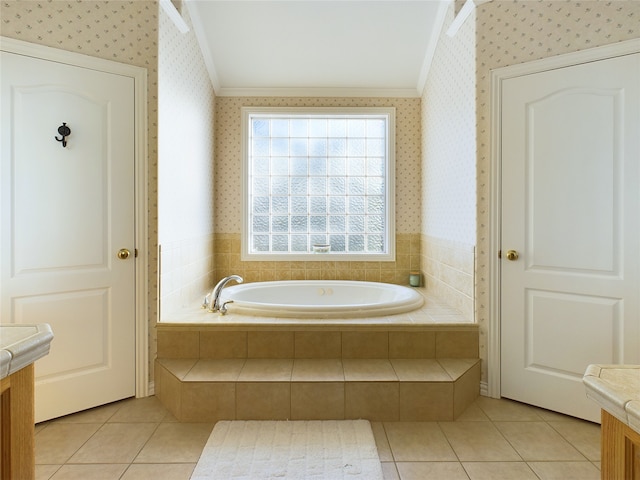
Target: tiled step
379	389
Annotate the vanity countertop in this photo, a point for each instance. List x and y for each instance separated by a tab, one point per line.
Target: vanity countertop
616	388
21	345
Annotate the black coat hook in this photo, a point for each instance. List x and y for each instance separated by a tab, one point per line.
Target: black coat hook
65	132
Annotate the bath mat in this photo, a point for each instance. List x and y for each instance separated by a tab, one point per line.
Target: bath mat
300	450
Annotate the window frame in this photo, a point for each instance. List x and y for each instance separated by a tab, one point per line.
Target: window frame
388	255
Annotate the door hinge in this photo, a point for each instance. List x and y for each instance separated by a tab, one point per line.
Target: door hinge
499	253
135	253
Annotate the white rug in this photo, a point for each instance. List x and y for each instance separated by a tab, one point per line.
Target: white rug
317	450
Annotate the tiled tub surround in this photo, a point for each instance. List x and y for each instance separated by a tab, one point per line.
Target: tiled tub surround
408	367
448	268
227	262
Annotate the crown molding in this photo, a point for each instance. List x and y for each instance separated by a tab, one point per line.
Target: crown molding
319	92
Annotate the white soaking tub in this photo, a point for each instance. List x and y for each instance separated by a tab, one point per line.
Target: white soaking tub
320	299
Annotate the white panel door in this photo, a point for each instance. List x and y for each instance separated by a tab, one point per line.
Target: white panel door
571	212
65	213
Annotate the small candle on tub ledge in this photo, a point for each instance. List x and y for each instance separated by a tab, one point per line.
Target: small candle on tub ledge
414	279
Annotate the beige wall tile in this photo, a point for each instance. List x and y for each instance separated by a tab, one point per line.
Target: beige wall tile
208	402
318	344
223	344
466	389
317	370
317	401
263	401
457	345
375	401
412	344
168	389
365	345
178	344
266	370
270	344
423	402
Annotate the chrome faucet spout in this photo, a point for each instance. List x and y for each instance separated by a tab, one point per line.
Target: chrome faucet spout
212	301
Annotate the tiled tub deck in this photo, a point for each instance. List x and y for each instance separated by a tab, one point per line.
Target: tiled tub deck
404	367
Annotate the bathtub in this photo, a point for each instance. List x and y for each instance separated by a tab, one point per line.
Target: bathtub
320	299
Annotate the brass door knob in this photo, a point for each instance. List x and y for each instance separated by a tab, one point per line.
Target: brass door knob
512	255
123	254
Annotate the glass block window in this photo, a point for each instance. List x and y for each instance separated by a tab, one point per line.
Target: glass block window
318	184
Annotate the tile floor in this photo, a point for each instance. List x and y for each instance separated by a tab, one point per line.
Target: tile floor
493	439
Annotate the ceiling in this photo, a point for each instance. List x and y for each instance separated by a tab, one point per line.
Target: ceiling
318	47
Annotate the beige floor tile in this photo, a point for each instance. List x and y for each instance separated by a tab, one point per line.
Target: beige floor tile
318	370
178	366
215	370
456	367
112	471
537	441
478	441
56	443
503	410
419	370
499	471
176	443
565	470
431	471
179	471
272	370
473	413
140	410
93	415
45	472
115	443
418	442
389	471
584	436
382	444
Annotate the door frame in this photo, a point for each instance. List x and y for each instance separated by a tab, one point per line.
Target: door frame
498	76
139	76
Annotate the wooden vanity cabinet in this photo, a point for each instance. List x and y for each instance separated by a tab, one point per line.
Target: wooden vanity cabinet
620	450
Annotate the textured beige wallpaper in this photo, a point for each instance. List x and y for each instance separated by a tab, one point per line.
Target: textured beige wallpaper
228	198
512	32
449	138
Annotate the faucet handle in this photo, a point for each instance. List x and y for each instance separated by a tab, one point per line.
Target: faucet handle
223	308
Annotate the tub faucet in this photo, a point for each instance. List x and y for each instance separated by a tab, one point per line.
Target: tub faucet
212	301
